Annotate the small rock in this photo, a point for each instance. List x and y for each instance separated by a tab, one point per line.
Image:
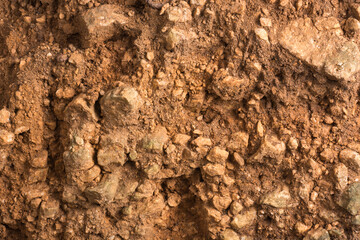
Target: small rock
328	215
102	23
265	22
213	214
40	159
262	34
104	191
352	25
341	176
181	13
305	189
239	142
271	147
202	142
301	228
4	116
79	158
280	198
198	2
293	143
328	155
126	188
318	234
217	155
356	220
238	159
145	190
350	199
37	175
49	208
90	174
350	158
245	219
214	169
6	137
79	112
152	170
229	234
181	139
156	140
221	202
174	200
120	101
236	207
315	168
356	10
83	2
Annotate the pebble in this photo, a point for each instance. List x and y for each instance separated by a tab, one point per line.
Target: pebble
350	199
238	159
120	101
280	198
214	169
181	139
293	143
145	190
301	228
79	158
229	234
356	10
181	13
265	22
4	116
350	158
40	159
217	155
271	147
49	208
328	155
174	200
236	207
202	142
352	25
221	202
318	234
356	220
244	219
104	191
90	174
37	175
239	142
6	137
156	140
262	34
341	176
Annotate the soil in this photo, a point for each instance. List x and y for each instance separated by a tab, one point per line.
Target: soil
199	119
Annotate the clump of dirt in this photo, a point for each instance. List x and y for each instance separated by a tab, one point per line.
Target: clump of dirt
199	119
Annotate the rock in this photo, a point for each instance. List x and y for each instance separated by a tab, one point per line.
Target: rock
79	111
174	200
90	174
236	207
39	160
293	143
202	142
239	142
217	155
198	2
213	214
271	148
104	191
350	199
244	219
356	10
305	189
152	170
318	234
120	101
49	208
356	220
280	198
126	187
238	159
37	175
102	23
214	169
4	116
301	228
328	215
221	202
229	87
350	158
6	137
322	46
112	150
328	155
145	190
229	234
341	176
315	168
265	22
352	25
156	140
181	13
181	139
262	34
79	158
3	158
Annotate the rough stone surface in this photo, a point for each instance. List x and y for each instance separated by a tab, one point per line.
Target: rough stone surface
318	234
229	234
49	208
280	198
341	175
271	148
156	140
217	155
6	137
104	191
350	199
244	219
4	116
322	46
350	158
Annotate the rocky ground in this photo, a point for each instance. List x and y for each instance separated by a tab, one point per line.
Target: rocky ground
199	119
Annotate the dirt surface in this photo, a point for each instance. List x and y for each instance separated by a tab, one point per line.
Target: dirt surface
199	119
